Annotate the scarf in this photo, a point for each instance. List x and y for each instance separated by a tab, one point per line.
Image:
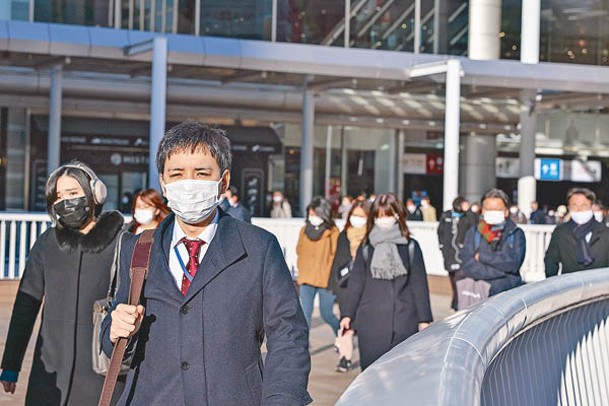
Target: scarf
355	237
386	261
314	233
583	250
491	233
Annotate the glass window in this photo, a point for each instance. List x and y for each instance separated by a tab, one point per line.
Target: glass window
308	21
84	12
250	19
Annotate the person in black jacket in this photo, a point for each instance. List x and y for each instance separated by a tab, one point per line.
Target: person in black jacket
235	209
582	242
452	227
414	213
387	297
68	268
349	241
494	250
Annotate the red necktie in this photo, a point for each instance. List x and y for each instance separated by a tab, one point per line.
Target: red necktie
193	247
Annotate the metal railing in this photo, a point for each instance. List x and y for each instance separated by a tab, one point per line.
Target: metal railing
539	344
19	231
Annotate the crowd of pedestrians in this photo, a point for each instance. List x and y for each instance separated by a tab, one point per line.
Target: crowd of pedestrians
218	287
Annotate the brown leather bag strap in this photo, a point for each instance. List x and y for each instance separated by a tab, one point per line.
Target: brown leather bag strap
138	272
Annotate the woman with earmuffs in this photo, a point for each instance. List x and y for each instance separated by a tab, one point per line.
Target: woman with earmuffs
68	268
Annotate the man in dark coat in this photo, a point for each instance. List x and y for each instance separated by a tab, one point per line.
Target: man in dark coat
235	209
538	216
203	323
582	242
452	227
494	250
414	213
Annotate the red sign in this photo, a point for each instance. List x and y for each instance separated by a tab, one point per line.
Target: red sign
435	164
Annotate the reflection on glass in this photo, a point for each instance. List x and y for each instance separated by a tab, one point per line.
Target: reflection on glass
250	19
568	34
83	12
308	21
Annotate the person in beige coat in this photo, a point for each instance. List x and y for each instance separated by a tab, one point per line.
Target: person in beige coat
316	249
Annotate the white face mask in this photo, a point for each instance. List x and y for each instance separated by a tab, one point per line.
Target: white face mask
385	223
191	200
358	222
144	216
316	221
581	217
277	199
598	215
514	210
494	217
411	209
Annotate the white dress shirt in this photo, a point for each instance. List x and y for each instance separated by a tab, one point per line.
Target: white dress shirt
178	234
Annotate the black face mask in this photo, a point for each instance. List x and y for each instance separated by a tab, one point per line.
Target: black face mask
73	213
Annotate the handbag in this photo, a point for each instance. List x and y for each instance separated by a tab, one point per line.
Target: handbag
138	273
343	274
471	291
100	360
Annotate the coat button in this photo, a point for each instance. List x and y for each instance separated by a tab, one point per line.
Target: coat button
184	309
185	366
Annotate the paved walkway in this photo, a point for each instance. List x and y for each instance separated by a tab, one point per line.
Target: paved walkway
325	385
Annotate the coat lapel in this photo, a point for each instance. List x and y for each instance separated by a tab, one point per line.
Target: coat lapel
160	276
225	249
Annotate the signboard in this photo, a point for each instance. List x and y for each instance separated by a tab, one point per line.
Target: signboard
435	164
579	171
548	169
415	163
507	167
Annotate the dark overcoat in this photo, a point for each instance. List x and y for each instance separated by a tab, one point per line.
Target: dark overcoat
341	260
386	312
69	271
563	249
204	348
500	268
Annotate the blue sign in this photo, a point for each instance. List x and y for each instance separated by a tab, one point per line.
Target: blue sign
550	169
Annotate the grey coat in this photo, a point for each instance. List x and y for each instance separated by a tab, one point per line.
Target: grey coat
69	271
204	348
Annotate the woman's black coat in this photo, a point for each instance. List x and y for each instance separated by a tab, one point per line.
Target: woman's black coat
385	312
342	259
69	271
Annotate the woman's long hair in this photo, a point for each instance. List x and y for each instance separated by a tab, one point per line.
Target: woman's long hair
363	204
153	198
323	209
389	205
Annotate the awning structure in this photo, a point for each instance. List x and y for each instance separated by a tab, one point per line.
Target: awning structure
261	82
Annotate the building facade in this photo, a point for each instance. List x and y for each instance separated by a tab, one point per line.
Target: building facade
318	97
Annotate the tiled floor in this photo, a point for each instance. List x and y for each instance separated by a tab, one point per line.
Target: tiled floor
325	385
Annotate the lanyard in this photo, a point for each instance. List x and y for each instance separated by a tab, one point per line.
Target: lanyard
186	274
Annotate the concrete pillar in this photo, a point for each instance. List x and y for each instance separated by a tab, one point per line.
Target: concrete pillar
529	39
344	162
158	105
451	132
399	187
347	33
417	26
440	24
484	27
54	141
478	165
306	149
328	163
527	186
